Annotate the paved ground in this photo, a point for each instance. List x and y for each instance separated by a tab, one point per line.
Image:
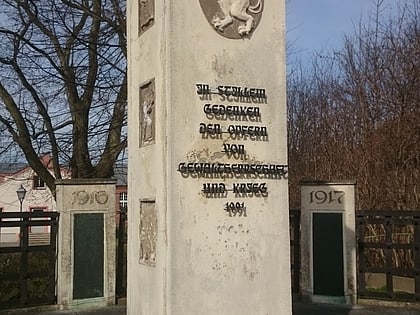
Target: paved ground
328	309
110	310
299	308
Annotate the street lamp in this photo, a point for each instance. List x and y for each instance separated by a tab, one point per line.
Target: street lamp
21	192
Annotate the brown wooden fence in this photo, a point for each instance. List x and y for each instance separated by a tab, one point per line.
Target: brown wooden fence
294	220
121	275
27	266
388	254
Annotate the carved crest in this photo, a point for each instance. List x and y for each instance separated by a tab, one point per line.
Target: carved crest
233	18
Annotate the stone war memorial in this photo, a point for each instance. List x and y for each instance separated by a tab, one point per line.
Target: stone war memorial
208	229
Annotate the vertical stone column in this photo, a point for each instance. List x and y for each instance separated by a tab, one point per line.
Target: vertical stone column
208	198
86	243
328	242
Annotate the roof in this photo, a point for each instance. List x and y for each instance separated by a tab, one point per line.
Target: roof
14	167
11	168
120	171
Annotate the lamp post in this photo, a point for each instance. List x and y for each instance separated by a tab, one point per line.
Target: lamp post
21	192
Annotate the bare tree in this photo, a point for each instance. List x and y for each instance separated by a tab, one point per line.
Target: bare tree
63	83
356	114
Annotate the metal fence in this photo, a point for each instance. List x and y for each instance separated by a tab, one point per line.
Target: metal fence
28	264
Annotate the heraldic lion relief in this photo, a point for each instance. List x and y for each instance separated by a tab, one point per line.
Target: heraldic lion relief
236	9
233	18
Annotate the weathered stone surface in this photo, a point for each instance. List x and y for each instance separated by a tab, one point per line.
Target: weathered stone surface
208	206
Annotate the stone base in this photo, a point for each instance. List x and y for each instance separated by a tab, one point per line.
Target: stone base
329	299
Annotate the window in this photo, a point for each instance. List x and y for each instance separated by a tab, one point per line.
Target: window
38	183
123	200
38	210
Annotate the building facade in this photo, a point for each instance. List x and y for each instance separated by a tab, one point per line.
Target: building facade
38	197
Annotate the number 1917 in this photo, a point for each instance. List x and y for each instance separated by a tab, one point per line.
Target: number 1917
321	197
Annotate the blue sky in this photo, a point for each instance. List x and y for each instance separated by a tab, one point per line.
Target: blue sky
320	25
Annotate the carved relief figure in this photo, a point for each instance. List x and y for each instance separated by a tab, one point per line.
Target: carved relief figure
147	114
238	9
147	119
146	15
148	234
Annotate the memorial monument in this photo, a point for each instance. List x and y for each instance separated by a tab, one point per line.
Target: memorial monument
208	199
86	243
328	242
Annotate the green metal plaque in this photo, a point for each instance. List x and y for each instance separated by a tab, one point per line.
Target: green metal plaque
88	277
328	263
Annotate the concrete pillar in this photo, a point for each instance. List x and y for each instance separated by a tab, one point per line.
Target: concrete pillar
208	196
86	243
328	242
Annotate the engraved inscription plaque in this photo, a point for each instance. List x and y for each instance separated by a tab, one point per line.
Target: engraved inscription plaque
148	233
147	114
328	261
88	276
